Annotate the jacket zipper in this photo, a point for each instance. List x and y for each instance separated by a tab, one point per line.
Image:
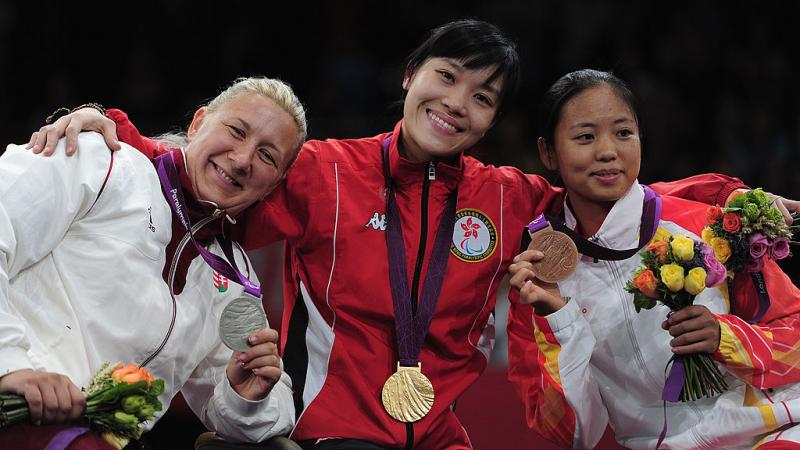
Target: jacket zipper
430	175
172	269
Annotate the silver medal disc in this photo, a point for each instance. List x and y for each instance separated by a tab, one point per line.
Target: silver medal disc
240	319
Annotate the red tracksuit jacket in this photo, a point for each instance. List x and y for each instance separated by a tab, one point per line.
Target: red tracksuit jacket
338	337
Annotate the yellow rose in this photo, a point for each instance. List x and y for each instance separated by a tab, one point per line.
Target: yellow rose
695	281
661	235
722	250
672	276
682	248
707	235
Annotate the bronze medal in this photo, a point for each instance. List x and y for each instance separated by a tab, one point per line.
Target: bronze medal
560	255
408	394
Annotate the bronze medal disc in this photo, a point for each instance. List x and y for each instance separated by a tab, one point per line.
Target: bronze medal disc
560	255
408	394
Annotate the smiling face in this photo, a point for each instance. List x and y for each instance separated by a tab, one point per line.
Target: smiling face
596	147
447	108
239	152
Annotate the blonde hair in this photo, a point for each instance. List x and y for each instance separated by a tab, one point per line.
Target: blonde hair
272	88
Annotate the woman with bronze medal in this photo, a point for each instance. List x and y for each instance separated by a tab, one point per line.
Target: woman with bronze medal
396	246
590	354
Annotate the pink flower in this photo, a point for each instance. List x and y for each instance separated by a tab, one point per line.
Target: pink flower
715	270
755	265
759	245
779	249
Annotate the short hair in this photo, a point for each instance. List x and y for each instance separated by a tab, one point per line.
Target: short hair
477	45
276	90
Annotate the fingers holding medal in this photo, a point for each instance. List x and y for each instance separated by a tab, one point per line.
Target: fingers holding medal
550	258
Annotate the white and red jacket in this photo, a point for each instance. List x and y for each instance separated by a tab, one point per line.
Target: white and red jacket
83	241
338	336
596	362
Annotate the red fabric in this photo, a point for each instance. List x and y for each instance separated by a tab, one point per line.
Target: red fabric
779	445
710	188
31	437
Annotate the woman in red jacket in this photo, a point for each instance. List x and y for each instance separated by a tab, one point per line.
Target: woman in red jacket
396	246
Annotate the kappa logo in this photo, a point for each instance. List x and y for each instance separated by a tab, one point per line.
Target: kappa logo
220	282
377	222
474	236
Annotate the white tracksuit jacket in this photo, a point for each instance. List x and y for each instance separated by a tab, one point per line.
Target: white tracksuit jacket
80	284
601	363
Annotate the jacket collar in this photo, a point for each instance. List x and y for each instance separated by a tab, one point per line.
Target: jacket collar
198	209
620	229
405	171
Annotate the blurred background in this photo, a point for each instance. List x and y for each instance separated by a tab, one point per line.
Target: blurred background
715	80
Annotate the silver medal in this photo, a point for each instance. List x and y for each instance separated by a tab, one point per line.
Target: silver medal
240	319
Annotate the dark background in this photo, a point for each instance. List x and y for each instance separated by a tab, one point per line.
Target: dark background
716	82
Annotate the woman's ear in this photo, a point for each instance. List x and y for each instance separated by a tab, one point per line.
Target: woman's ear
197	120
547	154
409	75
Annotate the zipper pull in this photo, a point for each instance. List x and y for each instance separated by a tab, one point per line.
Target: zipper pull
431	170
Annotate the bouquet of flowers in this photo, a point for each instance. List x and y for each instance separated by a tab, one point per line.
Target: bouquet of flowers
747	232
675	270
118	399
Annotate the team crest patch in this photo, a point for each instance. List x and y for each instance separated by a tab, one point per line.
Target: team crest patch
220	282
474	236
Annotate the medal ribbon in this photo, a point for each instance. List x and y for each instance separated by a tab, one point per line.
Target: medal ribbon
651	215
411	329
170	183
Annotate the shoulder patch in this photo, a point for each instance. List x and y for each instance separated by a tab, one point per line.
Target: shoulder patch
474	236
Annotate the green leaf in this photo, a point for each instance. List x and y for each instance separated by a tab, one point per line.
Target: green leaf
641	301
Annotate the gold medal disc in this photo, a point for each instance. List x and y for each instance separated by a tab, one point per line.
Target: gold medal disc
408	394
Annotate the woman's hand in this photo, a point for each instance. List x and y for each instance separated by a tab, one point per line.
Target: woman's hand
253	373
695	330
544	297
85	119
52	398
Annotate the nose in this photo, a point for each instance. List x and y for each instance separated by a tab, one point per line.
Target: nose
456	101
606	149
241	158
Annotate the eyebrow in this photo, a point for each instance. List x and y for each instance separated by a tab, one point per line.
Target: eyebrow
593	125
460	67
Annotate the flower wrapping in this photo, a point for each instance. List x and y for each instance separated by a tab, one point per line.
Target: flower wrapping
118	400
674	270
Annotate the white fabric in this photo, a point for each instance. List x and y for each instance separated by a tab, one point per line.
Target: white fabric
612	360
80	284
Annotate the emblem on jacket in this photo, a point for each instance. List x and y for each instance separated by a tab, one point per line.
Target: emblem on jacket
474	236
377	222
150	213
220	282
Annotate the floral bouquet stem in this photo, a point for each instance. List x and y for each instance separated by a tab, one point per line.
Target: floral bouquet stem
703	378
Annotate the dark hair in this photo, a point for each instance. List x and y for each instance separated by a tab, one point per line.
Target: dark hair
572	84
477	45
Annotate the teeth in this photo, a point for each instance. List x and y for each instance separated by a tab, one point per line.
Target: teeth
441	122
225	176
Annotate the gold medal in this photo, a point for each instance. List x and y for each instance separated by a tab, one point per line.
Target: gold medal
408	394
